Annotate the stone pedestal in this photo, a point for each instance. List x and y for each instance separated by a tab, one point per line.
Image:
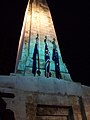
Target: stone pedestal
40	98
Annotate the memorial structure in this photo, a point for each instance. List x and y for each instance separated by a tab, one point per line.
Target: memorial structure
41	87
38	52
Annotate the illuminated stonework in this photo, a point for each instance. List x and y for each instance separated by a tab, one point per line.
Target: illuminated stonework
38	51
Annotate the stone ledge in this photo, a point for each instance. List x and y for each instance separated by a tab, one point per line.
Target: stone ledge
41	85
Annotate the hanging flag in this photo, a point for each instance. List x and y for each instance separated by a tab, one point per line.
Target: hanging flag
47	61
34	68
36	62
57	68
53	56
54	49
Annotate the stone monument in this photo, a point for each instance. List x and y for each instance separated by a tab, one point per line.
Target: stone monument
38	51
41	87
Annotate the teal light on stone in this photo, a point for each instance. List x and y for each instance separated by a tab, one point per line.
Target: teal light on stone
38	51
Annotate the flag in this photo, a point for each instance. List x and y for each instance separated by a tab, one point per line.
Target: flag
54	49
47	61
34	68
53	56
57	68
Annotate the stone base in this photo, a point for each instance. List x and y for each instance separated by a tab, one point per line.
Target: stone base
39	98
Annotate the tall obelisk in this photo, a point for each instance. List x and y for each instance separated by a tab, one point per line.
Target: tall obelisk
38	51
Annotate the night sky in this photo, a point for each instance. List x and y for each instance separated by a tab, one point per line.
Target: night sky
72	24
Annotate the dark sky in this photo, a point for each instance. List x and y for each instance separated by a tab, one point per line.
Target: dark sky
72	24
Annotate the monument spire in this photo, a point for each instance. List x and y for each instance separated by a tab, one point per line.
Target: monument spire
38	51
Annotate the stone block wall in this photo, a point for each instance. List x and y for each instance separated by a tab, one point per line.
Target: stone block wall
45	99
